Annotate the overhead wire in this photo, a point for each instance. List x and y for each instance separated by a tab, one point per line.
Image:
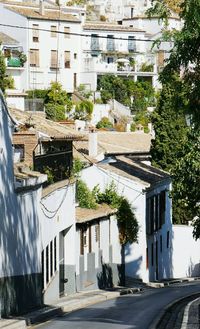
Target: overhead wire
77	34
105	172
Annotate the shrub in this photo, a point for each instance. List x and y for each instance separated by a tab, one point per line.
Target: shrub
104	123
84	196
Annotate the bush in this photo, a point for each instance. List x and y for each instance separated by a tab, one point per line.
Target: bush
55	112
37	93
84	196
104	123
83	110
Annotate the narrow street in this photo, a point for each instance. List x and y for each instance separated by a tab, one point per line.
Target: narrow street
130	312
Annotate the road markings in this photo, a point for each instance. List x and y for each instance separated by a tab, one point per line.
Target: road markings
186	314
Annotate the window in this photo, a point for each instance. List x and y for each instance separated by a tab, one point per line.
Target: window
162	207
95	42
42	261
83	240
53	31
67	60
67	32
18	153
110	43
131	44
34	57
51	258
161	243
55	255
152	255
155	212
110	60
47	264
90	239
132	12
75	80
54	59
35	33
167	239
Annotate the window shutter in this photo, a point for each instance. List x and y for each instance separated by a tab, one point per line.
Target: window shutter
34	57
67	32
67	59
53	31
54	56
35	33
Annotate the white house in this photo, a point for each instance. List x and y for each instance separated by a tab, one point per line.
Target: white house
98	251
159	252
37	230
116	49
137	182
50	38
57	220
20	234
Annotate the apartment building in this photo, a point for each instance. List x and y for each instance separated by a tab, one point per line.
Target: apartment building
50	38
116	49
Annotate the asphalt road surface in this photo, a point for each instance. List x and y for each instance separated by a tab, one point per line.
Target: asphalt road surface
126	312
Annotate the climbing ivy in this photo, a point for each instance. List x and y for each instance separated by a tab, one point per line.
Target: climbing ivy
126	219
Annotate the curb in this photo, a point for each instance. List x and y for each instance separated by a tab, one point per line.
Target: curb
47	314
158	319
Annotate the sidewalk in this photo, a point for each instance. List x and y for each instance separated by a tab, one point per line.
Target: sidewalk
80	300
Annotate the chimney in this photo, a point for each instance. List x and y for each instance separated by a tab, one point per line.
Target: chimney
93	144
41	8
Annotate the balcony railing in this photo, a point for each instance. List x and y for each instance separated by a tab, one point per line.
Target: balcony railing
14	62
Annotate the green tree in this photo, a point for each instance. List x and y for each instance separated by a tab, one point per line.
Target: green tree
57	102
184	62
170	126
83	110
104	123
4	81
137	95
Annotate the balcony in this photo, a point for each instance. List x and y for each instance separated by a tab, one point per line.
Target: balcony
15	58
14	62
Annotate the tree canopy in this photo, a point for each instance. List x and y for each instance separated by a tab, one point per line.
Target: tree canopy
137	95
57	102
176	148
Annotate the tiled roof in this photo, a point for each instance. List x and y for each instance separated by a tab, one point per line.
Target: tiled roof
84	215
114	143
7	40
110	27
124	142
136	171
40	124
48	14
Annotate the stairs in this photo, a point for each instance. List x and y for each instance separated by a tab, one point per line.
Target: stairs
12	324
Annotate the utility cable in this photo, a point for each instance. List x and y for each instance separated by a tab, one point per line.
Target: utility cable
78	34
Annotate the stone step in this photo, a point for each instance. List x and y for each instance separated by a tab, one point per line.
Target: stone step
12	324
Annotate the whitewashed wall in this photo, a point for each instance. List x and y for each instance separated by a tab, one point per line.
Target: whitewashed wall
100	111
57	212
135	254
186	252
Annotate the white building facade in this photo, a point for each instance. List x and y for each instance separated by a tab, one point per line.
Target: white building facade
50	38
159	252
116	49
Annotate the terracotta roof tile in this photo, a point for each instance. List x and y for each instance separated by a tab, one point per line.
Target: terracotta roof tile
40	124
6	39
48	14
110	27
85	215
135	170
